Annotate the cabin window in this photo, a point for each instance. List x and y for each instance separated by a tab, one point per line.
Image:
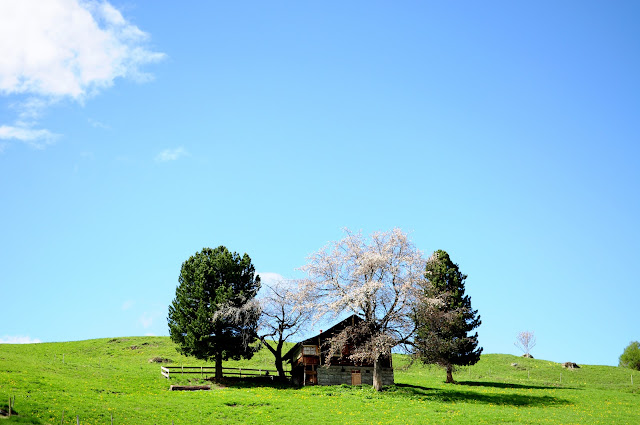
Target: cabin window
310	350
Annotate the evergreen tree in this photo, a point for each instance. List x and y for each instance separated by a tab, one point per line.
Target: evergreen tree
444	318
213	283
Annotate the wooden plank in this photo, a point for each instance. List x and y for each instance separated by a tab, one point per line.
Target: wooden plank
201	370
356	377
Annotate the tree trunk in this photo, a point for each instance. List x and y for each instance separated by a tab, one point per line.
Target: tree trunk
218	366
277	354
450	375
377	374
279	367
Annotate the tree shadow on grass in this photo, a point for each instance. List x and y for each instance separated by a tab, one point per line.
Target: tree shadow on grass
253	382
510	385
460	394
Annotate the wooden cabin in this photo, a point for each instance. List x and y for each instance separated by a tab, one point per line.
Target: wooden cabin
310	364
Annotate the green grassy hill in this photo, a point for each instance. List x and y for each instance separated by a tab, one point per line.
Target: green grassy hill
97	379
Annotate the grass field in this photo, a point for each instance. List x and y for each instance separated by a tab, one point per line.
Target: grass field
97	379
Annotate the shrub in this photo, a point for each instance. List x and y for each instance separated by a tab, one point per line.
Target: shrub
631	356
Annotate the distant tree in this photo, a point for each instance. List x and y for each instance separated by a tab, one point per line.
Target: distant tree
444	318
525	341
214	315
631	356
283	316
377	279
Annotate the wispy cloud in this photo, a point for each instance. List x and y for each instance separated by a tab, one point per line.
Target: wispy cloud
171	154
128	304
64	49
146	320
18	340
36	138
98	124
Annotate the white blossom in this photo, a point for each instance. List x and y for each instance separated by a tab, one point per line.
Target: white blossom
378	279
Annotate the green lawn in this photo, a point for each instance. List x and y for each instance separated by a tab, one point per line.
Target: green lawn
105	377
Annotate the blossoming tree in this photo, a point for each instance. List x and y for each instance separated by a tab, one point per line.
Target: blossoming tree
378	279
282	317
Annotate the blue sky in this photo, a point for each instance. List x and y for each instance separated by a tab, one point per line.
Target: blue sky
135	133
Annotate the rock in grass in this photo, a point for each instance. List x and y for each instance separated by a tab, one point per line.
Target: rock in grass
570	365
160	360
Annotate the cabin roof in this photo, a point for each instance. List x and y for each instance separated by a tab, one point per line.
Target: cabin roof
322	336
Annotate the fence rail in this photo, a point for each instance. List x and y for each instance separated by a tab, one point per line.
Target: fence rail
203	371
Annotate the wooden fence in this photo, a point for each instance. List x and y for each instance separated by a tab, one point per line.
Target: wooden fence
203	371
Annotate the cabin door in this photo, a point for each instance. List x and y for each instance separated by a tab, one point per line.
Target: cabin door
310	375
356	377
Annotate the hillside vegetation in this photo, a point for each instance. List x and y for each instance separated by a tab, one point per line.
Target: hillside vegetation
97	379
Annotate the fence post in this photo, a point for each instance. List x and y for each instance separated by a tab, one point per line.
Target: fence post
78	419
62	420
9	406
111	418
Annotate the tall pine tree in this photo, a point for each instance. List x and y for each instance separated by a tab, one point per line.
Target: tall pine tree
212	282
445	317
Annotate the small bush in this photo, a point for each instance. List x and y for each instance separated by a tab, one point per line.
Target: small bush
631	356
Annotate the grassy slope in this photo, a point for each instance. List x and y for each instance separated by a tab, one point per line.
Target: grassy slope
103	377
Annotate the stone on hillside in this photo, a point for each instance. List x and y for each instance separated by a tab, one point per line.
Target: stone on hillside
570	365
160	360
514	364
528	356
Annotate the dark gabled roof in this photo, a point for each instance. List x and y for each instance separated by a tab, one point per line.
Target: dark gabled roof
324	335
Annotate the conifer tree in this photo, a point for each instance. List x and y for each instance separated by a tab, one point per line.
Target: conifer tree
445	317
213	283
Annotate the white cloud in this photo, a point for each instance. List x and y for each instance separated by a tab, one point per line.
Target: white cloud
65	49
171	154
18	340
271	279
